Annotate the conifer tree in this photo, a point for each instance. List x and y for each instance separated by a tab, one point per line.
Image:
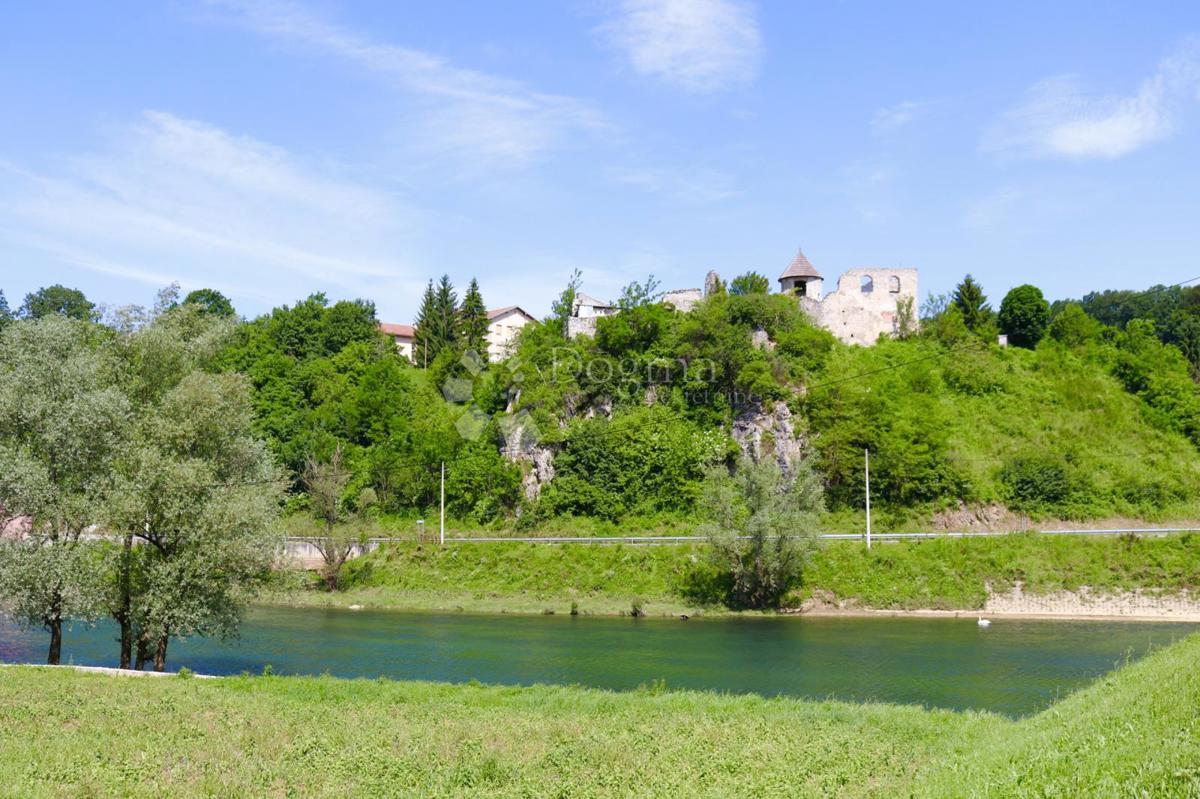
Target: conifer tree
437	321
969	298
472	320
445	312
425	347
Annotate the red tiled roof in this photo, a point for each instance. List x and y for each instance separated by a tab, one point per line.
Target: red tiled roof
800	267
403	331
494	312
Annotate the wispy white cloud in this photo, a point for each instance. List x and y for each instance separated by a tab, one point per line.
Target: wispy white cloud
889	118
700	185
176	199
1059	118
698	45
995	210
466	112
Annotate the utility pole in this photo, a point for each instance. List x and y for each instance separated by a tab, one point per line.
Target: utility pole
867	471
442	521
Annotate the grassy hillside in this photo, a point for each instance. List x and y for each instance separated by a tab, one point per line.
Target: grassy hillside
609	578
62	733
1135	732
517	578
1050	433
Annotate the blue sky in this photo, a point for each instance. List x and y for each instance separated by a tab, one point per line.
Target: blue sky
273	149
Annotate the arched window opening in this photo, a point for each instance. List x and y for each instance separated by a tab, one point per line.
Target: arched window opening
868	285
894	284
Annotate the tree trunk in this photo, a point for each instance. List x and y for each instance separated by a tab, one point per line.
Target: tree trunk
160	654
55	627
126	640
122	615
143	652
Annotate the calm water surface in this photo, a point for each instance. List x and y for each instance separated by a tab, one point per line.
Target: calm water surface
1012	667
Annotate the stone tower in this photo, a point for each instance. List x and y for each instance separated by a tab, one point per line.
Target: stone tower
800	279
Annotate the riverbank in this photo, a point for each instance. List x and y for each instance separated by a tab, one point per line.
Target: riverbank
1130	733
1021	574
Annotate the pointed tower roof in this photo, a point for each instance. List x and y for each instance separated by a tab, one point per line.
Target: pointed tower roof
800	267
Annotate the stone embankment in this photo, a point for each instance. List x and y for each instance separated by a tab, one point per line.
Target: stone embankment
1085	603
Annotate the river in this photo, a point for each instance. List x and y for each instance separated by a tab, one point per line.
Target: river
1014	667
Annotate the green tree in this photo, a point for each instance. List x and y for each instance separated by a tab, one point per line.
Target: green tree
636	294
195	489
481	486
58	299
1073	327
211	300
750	283
5	314
446	312
199	492
473	320
969	298
562	308
437	321
761	528
62	424
425	348
1024	316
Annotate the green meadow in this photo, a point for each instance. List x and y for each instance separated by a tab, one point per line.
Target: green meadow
1135	732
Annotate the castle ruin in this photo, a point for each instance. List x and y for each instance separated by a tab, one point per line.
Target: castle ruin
866	304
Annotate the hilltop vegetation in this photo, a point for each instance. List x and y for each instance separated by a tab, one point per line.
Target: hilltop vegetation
1093	418
1132	733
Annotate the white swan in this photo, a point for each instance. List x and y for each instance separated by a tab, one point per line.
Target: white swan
984	623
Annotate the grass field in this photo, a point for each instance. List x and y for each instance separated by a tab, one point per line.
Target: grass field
608	579
64	733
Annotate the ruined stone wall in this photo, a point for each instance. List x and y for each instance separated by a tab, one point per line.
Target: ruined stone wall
683	300
581	326
859	317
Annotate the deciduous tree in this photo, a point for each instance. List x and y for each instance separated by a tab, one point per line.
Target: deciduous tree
196	491
62	424
762	529
750	283
211	300
58	299
1024	316
325	483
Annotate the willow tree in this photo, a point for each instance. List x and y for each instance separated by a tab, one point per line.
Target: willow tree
62	424
198	494
197	491
762	529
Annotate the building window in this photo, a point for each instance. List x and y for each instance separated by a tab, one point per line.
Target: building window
868	285
894	284
801	289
